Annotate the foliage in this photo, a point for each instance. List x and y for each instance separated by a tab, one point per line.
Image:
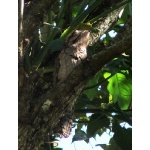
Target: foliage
109	90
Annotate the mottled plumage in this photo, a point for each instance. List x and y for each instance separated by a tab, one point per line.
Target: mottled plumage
71	55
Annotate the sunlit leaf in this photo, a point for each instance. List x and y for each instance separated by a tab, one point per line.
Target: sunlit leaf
82	116
121	90
87	26
126	13
107	74
75	11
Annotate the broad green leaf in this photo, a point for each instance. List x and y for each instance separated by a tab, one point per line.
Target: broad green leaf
121	64
56	45
52	46
113	66
79	135
81	101
113	145
79	126
93	91
126	13
106	74
121	90
122	136
96	123
124	118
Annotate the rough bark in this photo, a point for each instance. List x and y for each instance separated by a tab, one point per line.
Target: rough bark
35	12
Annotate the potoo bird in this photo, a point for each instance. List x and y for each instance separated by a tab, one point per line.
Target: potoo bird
73	53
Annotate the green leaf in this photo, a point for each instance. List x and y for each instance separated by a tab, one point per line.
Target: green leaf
87	26
113	145
121	90
79	135
81	6
75	11
55	45
79	19
126	13
96	123
81	101
93	91
79	126
122	136
58	148
113	66
123	117
106	74
82	117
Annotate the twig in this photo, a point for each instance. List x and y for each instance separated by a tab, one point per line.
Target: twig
99	110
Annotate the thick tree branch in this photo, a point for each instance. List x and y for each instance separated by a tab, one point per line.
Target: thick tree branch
123	113
103	25
105	20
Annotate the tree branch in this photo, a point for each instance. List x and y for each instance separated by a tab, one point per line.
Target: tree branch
100	111
105	21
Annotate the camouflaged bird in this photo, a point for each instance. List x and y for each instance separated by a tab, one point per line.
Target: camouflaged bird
73	53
